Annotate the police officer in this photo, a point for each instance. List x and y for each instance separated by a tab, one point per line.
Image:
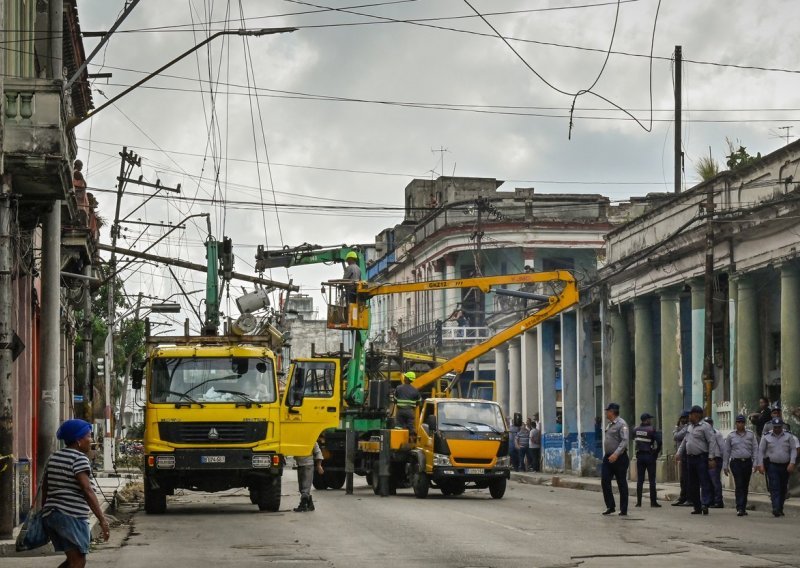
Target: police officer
648	446
406	400
716	473
740	452
678	434
781	449
615	460
696	447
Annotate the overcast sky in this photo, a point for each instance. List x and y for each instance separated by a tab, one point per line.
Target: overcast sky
196	122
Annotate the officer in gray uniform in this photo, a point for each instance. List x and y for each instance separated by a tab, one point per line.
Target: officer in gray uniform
697	446
678	434
716	473
615	460
781	449
741	448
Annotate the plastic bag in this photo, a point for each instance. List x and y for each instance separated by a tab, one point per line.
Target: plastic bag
33	534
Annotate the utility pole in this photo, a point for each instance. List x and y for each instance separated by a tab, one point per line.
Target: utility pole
678	111
708	343
124	394
6	358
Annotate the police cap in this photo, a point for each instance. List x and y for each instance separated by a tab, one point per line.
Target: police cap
741	418
777	422
696	410
613	406
646	416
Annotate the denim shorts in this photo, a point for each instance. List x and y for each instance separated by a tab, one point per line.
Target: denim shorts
67	532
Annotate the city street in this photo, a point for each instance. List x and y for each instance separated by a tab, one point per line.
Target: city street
533	526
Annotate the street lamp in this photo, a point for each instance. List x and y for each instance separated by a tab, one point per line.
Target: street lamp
255	33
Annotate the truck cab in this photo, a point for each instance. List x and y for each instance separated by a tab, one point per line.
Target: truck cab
215	419
460	443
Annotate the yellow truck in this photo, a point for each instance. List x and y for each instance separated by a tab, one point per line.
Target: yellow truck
215	419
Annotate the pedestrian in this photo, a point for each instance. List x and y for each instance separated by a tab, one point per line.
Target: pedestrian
523	442
68	496
513	430
696	448
781	449
740	453
615	460
716	473
648	447
776	412
536	446
762	417
678	434
306	465
406	400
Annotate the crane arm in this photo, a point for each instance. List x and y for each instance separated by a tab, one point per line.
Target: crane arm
304	255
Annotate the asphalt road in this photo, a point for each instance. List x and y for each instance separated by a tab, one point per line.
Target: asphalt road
532	526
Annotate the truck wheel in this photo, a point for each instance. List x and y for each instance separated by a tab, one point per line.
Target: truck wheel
457	487
319	482
497	488
253	496
369	478
335	479
269	495
446	491
419	482
155	500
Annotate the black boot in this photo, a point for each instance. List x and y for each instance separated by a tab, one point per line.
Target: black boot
310	504
303	506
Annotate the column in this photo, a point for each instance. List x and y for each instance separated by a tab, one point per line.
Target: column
586	389
438	296
451	294
621	376
514	378
569	373
733	301
530	374
50	347
501	377
748	346
671	371
698	336
546	348
790	343
644	358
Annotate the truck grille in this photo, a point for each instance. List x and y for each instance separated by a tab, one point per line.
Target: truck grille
212	432
472	461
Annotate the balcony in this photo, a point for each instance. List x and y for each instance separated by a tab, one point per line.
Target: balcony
38	149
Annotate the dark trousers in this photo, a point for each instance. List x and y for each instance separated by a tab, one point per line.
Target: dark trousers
618	470
778	484
684	474
741	471
514	453
525	458
698	483
405	419
716	482
645	462
536	459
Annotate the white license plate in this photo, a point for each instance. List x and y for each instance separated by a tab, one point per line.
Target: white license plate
212	459
474	471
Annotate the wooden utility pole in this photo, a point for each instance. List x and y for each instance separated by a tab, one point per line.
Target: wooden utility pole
678	110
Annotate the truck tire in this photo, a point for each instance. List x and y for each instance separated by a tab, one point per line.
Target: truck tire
497	488
419	482
269	495
155	500
369	478
319	482
335	479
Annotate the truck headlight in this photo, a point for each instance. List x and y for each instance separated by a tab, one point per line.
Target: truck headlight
441	460
503	461
165	462
262	460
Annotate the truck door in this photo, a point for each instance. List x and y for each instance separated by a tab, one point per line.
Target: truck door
310	404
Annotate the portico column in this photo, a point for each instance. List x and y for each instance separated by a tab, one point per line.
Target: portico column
671	371
530	374
586	390
790	344
569	373
748	346
546	347
644	358
515	378
620	372
450	294
698	339
501	377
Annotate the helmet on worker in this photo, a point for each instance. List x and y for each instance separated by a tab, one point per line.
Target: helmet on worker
410	376
352	255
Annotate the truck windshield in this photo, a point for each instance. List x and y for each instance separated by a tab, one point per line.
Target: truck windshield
212	379
472	415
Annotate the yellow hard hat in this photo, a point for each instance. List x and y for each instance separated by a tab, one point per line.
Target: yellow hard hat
352	255
410	375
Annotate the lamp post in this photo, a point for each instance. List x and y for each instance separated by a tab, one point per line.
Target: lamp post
254	33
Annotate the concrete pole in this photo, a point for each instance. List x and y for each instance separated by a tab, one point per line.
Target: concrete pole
645	359
515	378
50	337
88	392
733	301
501	377
450	294
748	346
569	373
530	374
546	346
698	339
586	390
790	344
671	369
620	373
6	367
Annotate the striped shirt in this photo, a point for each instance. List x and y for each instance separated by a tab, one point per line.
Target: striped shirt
64	493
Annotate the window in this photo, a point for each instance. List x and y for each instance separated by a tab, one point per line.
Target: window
318	378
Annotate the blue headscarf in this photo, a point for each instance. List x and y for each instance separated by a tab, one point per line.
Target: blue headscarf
73	430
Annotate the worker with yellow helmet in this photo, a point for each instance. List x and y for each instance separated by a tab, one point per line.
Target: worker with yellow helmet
351	272
406	399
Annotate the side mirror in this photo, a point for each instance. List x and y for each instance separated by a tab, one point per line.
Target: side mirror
297	388
137	377
430	422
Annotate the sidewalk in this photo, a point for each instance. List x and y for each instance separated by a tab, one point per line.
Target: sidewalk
756	501
107	486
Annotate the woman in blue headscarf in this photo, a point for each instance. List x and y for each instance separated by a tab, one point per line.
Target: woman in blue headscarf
68	495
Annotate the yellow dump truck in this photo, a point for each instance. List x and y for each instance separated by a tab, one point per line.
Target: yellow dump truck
215	419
